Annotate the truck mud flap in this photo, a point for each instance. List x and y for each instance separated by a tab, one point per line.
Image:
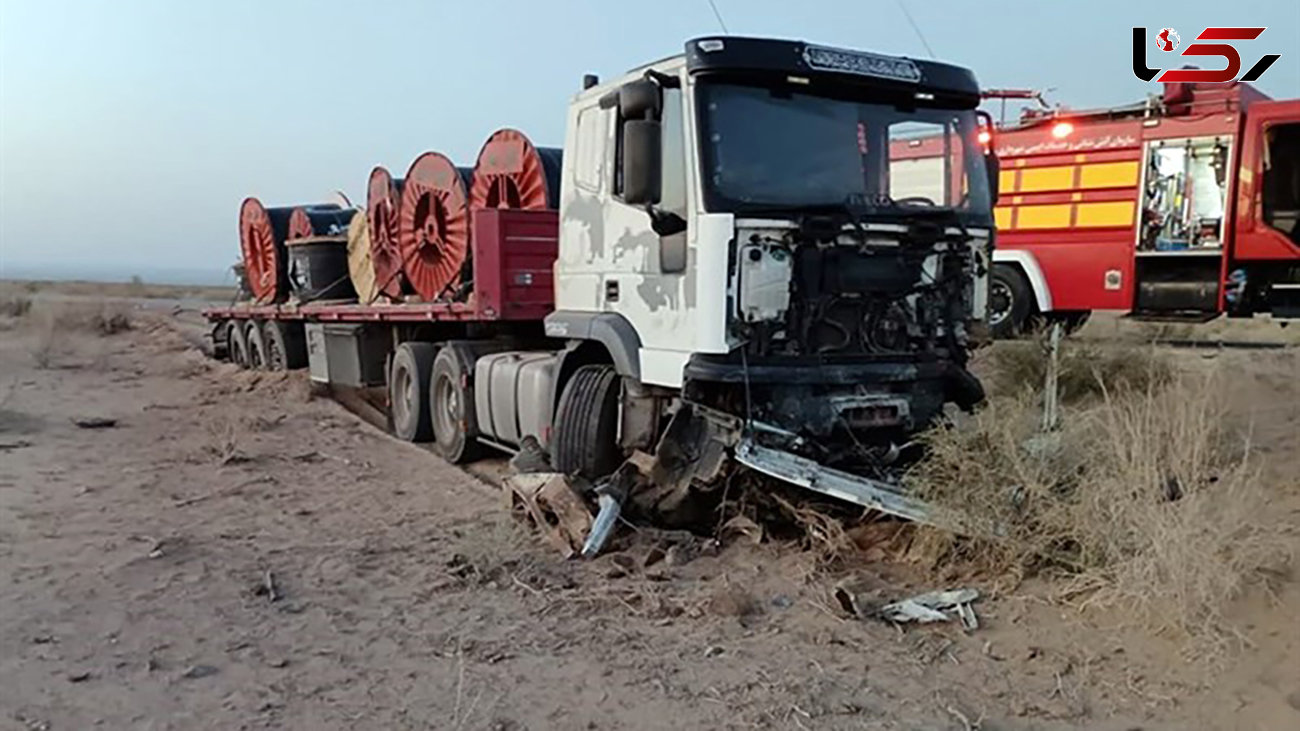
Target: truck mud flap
808	474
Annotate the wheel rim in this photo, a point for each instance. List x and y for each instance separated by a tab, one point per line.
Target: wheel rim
402	387
1000	302
446	410
256	353
274	358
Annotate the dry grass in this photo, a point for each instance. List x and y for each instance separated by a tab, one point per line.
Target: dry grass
1086	370
57	326
224	439
1141	497
15	307
134	288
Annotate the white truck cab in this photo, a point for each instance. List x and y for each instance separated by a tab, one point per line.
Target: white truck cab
762	229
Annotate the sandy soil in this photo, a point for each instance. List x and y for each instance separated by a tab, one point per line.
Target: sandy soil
134	560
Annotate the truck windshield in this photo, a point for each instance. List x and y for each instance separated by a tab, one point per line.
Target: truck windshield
768	150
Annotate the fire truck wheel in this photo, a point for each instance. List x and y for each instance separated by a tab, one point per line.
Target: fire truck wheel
586	424
238	344
256	346
451	405
1010	301
408	391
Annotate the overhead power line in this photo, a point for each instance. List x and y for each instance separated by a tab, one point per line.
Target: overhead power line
718	15
915	27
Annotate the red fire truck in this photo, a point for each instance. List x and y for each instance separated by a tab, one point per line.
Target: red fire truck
1183	207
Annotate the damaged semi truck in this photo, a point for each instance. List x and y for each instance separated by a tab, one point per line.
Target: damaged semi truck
765	251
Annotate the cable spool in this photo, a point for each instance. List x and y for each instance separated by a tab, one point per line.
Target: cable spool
306	222
361	269
433	225
383	201
317	252
512	173
262	232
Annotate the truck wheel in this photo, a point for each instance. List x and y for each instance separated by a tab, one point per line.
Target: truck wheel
451	404
408	386
238	343
586	424
1010	302
286	347
256	346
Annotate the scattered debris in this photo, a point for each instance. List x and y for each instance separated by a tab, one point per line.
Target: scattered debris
653	556
742	526
196	671
224	491
547	500
531	457
610	496
714	651
95	422
268	588
9	446
858	597
935	606
199	671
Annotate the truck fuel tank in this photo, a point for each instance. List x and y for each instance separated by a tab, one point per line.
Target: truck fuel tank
513	395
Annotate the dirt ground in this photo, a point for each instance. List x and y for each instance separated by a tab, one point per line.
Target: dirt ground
134	564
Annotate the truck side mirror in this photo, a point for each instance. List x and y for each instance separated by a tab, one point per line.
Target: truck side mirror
642	162
993	167
640	99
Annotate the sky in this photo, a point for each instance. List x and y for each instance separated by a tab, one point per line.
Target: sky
131	130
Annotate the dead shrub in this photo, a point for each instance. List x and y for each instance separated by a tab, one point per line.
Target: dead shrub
224	432
15	307
49	344
110	322
1086	370
1141	496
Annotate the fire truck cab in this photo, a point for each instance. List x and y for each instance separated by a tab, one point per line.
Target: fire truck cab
1183	207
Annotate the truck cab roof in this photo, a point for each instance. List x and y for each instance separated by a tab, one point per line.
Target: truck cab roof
767	57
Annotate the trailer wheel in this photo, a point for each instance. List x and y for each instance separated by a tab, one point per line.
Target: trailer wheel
408	391
286	347
238	340
586	424
256	345
1010	302
451	404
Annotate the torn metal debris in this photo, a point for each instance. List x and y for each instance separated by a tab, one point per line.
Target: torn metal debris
548	501
935	606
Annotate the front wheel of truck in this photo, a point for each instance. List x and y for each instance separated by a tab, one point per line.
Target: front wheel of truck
585	439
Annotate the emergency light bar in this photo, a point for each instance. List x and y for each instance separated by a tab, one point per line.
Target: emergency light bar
861	63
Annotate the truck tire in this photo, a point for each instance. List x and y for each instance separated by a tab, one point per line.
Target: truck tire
586	424
451	404
256	345
286	346
238	339
1011	302
408	391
